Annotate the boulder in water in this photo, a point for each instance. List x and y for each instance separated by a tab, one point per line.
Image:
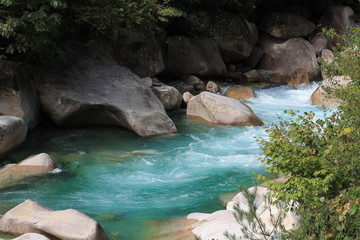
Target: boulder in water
90	88
240	92
218	109
321	97
30	216
169	96
13	131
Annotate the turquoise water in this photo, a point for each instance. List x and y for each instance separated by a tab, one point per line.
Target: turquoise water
122	180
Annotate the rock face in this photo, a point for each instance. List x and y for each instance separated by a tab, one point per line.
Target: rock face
337	17
221	110
17	96
214	225
32	166
13	131
320	97
169	96
140	50
240	92
199	57
30	216
92	89
285	26
285	57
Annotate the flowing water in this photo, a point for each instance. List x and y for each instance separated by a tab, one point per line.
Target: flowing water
122	180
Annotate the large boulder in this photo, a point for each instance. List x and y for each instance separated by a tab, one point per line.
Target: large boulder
90	88
188	56
285	57
338	17
30	216
32	166
218	109
30	236
17	96
235	36
140	50
170	97
13	131
321	97
319	42
285	26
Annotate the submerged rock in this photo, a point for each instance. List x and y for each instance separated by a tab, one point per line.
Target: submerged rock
32	166
221	110
13	131
30	216
92	89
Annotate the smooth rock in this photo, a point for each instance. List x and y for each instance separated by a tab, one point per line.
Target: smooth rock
299	77
285	26
90	88
321	97
30	216
187	96
169	96
270	76
285	57
32	166
218	109
13	131
338	17
240	92
140	50
17	96
199	57
31	236
319	42
243	203
212	87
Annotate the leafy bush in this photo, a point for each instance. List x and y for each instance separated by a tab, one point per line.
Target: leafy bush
320	158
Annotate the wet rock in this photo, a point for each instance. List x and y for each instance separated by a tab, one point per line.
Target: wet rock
90	88
240	92
17	96
218	109
285	26
169	96
199	57
30	216
13	131
299	77
32	166
212	87
285	57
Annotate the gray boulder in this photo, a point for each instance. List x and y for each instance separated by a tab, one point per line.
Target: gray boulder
218	109
338	17
199	57
285	26
284	57
170	97
90	88
17	96
30	216
319	42
140	50
13	131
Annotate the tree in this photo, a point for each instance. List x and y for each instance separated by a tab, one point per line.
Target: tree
320	158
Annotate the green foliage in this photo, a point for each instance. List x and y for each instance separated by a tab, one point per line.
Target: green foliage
320	158
29	26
